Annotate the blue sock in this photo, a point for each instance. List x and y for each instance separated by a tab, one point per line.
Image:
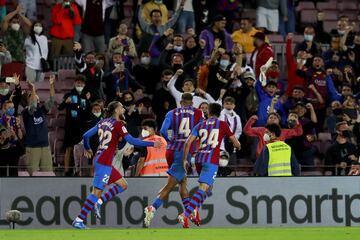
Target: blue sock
196	200
88	205
157	203
185	202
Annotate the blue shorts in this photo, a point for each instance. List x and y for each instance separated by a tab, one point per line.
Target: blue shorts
208	173
174	159
101	175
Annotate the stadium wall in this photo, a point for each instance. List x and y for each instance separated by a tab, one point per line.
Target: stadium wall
251	202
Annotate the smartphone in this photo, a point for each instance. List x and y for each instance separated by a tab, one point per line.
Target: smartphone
9	80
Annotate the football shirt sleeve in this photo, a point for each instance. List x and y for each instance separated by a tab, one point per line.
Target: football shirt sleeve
88	135
165	126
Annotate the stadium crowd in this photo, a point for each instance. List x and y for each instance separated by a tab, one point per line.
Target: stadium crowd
132	51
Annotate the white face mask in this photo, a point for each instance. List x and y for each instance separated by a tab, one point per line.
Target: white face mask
266	137
38	29
228	111
178	48
116	65
97	114
308	38
79	89
4	91
224	63
145	133
145	60
15	26
223	162
299	60
341	32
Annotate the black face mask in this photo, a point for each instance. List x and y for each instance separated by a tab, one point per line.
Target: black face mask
177	66
337	111
291	123
90	65
346	134
128	103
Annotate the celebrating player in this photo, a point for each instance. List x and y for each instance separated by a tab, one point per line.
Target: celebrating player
181	121
211	133
110	130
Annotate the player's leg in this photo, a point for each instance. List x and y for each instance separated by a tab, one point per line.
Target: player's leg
101	178
119	186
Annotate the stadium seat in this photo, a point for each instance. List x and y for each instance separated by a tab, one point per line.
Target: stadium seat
59	151
305	5
330	15
329	25
298	38
60	133
311	173
326	5
275	38
57	122
64	74
51	136
23	174
43	174
347	5
249	13
324	137
43	85
308	16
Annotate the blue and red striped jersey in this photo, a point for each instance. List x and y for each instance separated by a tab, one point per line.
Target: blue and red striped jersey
211	133
181	121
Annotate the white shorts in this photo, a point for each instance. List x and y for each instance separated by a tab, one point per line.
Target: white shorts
267	18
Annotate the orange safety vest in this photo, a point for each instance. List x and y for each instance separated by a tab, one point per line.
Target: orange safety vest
155	163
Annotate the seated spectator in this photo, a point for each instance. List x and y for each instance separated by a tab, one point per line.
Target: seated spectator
64	17
152	162
216	31
77	105
36	47
14	37
342	153
38	154
308	45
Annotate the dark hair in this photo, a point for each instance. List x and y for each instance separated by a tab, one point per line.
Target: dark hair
345	84
178	35
80	77
214	109
229	100
274	128
186	97
337	126
149	123
109	111
98	102
274	113
90	53
125	93
177	55
167	72
188	80
32	32
154	11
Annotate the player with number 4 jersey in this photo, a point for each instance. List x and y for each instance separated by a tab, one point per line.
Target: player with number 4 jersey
110	131
211	133
181	121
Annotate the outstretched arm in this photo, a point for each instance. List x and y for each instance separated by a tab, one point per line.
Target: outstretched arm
137	142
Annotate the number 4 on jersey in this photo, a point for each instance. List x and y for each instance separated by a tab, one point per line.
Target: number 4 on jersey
184	127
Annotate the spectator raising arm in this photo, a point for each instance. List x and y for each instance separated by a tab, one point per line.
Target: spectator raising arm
172	89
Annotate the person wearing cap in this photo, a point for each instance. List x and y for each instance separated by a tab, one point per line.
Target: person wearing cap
216	31
267	14
261	54
297	95
77	106
277	158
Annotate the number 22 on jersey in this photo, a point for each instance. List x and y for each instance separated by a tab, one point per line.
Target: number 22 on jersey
104	138
211	139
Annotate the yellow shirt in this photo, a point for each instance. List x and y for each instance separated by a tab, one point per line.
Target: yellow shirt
245	39
148	7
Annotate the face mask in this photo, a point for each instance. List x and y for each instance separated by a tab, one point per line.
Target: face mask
79	89
341	32
4	91
15	27
145	60
33	105
177	66
266	137
273	74
346	134
308	38
227	111
223	162
299	60
145	133
224	63
90	65
337	111
10	111
291	123
128	103
178	48
38	29
158	1
97	114
116	65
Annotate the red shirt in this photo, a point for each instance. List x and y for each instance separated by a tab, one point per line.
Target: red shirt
110	133
2	3
262	56
62	24
293	78
260	131
211	133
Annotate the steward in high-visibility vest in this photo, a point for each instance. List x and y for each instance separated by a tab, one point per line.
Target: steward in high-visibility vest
152	161
277	158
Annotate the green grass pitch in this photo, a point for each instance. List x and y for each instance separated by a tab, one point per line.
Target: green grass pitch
310	233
